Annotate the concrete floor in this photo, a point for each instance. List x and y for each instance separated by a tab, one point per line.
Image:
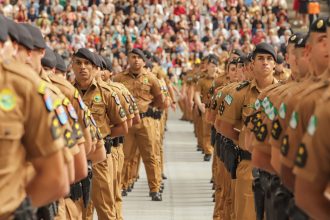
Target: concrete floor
187	193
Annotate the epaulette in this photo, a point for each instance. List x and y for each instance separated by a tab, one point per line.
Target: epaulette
60	80
242	85
17	67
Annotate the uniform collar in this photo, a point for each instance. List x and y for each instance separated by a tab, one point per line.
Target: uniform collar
143	72
44	75
92	85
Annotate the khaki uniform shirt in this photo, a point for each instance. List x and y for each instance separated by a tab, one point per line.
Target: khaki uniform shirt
313	155
284	75
144	87
124	97
203	86
29	129
299	120
104	104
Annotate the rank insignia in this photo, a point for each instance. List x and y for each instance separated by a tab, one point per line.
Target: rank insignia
301	157
282	111
86	119
42	88
219	94
319	24
122	112
257	104
93	120
228	99
77	130
7	100
222	108
242	85
116	98
69	138
285	145
99	134
312	125
48	101
97	98
214	104
276	129
76	93
81	102
66	102
126	98
55	128
265	103
294	120
72	112
135	107
61	115
262	133
130	109
272	113
132	98
256	125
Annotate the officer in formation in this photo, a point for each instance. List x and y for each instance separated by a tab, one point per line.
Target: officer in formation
269	130
66	140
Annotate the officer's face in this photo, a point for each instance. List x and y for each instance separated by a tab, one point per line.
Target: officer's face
135	61
290	57
83	69
105	75
35	59
263	65
318	50
6	49
232	73
211	68
302	61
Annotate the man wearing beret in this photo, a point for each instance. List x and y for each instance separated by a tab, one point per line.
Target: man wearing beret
237	107
110	118
201	97
147	92
28	136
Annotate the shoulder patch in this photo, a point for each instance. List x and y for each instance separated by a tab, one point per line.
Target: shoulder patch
116	98
312	124
61	115
276	129
285	145
7	99
77	130
48	101
69	138
229	99
222	108
301	157
122	113
55	128
262	133
242	85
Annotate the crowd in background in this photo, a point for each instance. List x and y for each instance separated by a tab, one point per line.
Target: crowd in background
178	31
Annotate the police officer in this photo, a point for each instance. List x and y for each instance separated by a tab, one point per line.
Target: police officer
237	106
110	118
25	136
146	90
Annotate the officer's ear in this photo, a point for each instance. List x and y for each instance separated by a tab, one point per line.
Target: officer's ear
43	52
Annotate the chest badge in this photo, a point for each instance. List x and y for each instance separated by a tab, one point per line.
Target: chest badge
145	80
97	98
7	100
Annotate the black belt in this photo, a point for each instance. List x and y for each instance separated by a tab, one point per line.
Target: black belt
115	142
244	155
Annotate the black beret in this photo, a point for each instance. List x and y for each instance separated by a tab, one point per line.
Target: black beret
241	59
214	59
98	60
233	62
49	59
237	52
248	58
301	41
24	37
12	30
38	40
156	59
60	64
147	54
264	48
139	53
3	29
294	38
279	59
205	58
224	46
108	63
319	25
149	64
86	54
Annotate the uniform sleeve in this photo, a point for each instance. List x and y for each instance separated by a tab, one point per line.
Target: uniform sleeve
124	101
43	133
198	86
313	156
155	86
231	107
115	111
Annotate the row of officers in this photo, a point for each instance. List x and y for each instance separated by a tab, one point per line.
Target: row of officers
266	127
69	149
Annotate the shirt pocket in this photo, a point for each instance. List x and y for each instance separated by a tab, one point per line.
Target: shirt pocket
10	140
145	92
98	112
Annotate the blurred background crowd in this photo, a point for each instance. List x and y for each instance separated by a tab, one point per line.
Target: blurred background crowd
180	32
